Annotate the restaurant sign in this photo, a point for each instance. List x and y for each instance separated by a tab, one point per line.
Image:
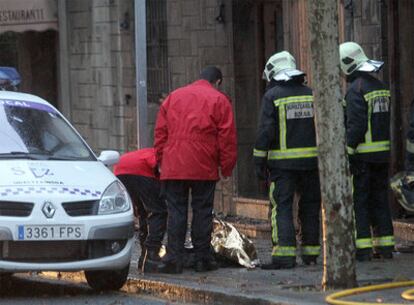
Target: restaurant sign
28	15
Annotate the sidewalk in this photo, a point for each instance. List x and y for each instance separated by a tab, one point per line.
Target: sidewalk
259	287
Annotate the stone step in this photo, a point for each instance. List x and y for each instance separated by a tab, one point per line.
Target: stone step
404	229
252	228
253	221
252	208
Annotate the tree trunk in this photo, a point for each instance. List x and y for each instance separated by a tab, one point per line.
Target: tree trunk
337	209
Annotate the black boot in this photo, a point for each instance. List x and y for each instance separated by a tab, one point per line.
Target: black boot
387	254
170	267
142	256
151	261
384	253
205	264
309	259
363	255
280	263
189	258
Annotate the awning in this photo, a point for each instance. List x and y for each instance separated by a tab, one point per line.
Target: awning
23	15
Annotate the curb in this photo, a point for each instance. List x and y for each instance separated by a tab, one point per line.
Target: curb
43	285
171	291
176	292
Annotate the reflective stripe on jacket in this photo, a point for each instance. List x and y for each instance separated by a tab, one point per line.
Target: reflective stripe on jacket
368	119
286	133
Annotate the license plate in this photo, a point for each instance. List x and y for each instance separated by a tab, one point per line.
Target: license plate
51	232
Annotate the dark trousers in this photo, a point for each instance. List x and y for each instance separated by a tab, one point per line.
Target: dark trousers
372	212
202	198
150	207
285	184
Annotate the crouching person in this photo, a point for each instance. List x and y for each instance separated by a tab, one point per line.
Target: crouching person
138	172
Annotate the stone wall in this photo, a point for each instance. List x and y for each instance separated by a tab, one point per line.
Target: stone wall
197	38
102	72
366	24
102	64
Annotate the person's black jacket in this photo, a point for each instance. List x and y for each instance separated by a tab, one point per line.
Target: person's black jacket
367	107
286	134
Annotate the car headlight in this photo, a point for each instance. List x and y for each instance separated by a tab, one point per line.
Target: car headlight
114	200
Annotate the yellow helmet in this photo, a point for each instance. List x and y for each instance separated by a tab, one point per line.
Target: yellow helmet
353	58
281	66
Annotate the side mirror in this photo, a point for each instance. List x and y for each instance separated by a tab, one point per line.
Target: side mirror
109	157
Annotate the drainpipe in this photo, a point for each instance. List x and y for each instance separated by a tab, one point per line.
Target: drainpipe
64	103
397	160
141	71
396	127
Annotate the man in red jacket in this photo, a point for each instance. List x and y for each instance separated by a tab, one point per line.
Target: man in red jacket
195	143
137	170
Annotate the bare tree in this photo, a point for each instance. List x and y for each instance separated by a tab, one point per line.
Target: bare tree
337	209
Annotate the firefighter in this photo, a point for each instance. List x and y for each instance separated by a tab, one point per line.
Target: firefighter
138	171
195	139
286	150
367	109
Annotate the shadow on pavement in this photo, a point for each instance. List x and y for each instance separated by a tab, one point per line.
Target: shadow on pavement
27	285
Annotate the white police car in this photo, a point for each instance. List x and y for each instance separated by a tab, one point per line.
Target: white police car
61	208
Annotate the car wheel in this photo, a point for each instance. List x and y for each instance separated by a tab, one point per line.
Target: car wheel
5	281
5	275
107	279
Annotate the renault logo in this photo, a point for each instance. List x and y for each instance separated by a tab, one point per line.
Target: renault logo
48	209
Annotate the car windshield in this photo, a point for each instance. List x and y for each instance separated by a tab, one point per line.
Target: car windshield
37	131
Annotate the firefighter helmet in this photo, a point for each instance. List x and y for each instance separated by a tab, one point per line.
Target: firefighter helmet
281	66
402	185
353	58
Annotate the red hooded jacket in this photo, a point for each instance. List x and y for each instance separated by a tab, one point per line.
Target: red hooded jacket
139	163
195	134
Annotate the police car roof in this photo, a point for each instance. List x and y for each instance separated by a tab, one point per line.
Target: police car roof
18	96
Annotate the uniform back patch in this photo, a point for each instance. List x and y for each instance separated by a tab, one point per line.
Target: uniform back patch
381	104
299	110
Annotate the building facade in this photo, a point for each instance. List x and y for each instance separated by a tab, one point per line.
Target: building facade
85	62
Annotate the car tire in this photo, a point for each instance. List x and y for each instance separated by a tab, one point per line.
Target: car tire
5	276
103	280
5	281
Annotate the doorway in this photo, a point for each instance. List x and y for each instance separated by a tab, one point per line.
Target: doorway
34	55
258	33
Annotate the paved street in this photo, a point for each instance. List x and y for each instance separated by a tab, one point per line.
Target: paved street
241	286
28	289
301	286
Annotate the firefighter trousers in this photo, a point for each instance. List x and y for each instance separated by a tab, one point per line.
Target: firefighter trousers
285	184
176	194
372	213
150	207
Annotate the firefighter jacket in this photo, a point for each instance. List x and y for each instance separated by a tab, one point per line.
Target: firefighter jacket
367	110
195	134
286	133
410	142
138	163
